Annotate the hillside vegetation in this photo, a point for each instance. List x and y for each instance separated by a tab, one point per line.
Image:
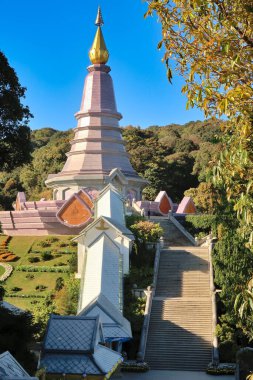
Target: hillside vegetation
172	158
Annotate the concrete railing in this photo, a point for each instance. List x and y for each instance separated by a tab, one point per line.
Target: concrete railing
215	353
149	294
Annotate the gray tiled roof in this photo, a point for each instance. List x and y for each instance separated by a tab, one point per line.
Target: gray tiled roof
121	327
69	363
10	369
112	331
106	359
71	334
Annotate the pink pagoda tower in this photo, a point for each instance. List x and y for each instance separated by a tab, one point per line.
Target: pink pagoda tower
97	155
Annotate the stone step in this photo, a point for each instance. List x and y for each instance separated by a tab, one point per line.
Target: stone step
180	328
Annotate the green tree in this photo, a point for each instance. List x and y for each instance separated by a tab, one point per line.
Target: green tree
15	143
211	43
17	333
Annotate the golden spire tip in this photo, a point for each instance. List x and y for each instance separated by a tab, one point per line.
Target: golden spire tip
99	20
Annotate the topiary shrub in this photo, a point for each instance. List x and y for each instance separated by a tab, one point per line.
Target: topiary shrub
16	289
40	287
73	263
46	256
59	284
63	244
29	276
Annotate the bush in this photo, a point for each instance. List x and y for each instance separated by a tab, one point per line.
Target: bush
59	284
147	231
34	259
73	263
199	223
40	287
31	268
73	243
133	219
46	256
16	289
29	276
63	244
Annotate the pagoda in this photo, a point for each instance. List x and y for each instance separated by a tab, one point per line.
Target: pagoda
97	155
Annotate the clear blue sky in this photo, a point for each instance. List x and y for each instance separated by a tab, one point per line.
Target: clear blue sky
47	42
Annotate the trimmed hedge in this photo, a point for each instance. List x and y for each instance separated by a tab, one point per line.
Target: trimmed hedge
32	268
24	295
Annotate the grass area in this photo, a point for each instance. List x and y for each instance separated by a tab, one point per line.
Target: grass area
2	270
26	247
22	303
23	280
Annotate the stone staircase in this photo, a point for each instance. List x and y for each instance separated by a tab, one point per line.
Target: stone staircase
180	328
172	235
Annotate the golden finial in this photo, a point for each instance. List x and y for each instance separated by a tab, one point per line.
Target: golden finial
98	52
99	20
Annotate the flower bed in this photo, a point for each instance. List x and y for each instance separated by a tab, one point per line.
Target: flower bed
133	366
7	257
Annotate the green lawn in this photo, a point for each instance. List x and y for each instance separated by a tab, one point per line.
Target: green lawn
20	280
24	247
2	270
22	303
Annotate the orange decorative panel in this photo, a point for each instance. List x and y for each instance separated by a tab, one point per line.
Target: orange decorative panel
77	210
164	205
85	197
190	208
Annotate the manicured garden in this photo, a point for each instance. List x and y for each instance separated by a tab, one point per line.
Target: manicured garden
38	263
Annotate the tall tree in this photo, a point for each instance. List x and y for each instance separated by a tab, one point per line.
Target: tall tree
211	43
15	143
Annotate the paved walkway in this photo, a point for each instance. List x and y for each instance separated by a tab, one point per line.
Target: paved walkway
172	375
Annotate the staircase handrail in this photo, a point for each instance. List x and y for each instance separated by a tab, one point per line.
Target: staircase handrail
215	352
150	294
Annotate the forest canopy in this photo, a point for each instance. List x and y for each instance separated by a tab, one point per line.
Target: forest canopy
173	158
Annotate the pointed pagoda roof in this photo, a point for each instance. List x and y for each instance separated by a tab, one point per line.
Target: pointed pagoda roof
97	147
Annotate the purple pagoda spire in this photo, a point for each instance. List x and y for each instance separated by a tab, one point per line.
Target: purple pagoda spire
97	155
